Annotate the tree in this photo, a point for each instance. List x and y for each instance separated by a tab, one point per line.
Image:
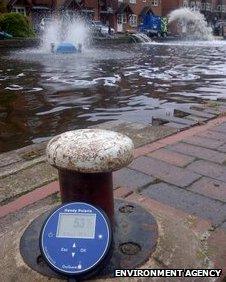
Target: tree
17	25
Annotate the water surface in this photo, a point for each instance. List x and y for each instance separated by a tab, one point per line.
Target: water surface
42	94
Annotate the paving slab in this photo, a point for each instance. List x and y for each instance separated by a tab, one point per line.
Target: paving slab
24	181
204	142
164	171
176	120
199	120
198	152
177	126
129	178
21	165
187	201
196	113
220	128
209	187
23	154
171	157
209	169
213	135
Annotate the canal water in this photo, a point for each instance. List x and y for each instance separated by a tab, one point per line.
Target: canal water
42	94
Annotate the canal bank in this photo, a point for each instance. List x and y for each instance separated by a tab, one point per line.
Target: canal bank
180	179
17	166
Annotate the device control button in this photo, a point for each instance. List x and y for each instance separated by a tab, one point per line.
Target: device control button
82	250
100	236
50	235
74	245
79	266
64	250
73	255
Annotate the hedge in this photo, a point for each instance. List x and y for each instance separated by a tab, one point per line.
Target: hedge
16	24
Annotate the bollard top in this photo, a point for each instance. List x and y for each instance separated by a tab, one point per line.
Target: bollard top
90	151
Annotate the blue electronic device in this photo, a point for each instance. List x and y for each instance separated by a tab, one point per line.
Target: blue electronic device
75	239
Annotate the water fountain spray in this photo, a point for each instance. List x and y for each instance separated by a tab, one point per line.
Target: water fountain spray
191	24
66	29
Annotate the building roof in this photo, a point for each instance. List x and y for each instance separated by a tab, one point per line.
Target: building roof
124	7
146	10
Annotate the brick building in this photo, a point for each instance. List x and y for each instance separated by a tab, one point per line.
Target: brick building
129	12
121	14
212	9
38	9
28	6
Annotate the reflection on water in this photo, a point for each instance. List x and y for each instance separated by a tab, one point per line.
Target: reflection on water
45	94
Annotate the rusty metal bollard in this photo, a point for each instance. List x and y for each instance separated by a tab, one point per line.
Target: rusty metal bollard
85	160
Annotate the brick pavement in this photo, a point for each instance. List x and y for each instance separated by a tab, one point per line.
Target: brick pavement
181	174
185	171
191	174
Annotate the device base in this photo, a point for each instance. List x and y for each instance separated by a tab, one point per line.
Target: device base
135	238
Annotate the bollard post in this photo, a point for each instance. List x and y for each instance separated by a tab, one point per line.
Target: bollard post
85	160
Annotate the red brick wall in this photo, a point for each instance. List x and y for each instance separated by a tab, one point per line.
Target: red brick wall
170	5
93	5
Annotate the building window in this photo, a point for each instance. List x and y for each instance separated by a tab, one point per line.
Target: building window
122	19
185	4
155	2
198	5
20	10
208	7
192	4
203	6
219	8
133	1
133	20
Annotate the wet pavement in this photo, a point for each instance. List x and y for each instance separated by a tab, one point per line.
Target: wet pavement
43	94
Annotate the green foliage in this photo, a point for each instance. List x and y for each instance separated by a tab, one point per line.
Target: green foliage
3	8
16	24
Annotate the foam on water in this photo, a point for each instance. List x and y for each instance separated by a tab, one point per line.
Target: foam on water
14	87
189	43
192	24
36	89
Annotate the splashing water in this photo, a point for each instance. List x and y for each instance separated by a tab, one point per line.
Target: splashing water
191	24
66	29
